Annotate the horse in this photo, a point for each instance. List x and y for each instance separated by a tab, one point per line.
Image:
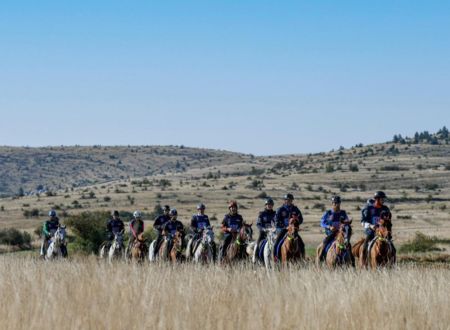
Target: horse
382	252
384	235
116	250
204	251
291	250
57	245
239	247
175	253
139	248
339	253
264	252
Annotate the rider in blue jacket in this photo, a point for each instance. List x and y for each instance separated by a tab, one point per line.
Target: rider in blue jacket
370	216
199	222
232	222
158	225
266	219
331	220
114	226
284	213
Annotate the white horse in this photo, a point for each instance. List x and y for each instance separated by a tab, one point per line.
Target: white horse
57	244
268	248
204	251
116	250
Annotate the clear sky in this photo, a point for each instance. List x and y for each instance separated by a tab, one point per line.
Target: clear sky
262	77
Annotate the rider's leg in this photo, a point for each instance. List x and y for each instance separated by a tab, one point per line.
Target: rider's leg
280	236
223	248
370	234
327	240
157	244
44	244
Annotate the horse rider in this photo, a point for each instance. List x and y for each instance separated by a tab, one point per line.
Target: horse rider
173	225
370	217
282	216
158	225
48	230
331	221
136	228
232	222
113	227
199	222
266	220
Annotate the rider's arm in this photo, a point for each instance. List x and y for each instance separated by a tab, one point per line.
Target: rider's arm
224	226
45	229
259	222
300	216
324	221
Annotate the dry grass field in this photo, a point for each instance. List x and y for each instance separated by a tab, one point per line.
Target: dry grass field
87	294
84	293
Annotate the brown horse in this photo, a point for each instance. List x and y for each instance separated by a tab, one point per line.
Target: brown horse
291	248
237	249
175	253
382	253
384	231
139	249
339	253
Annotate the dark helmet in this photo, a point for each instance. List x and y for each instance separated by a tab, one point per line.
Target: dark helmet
173	212
289	197
269	201
52	213
336	199
201	206
115	213
166	208
379	194
232	203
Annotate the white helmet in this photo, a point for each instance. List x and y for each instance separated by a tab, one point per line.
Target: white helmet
137	214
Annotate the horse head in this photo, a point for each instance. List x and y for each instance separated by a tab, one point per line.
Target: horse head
246	233
208	235
118	240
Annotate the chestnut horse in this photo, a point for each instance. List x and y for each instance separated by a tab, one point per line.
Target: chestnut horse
291	248
139	249
382	253
238	246
175	253
383	241
339	253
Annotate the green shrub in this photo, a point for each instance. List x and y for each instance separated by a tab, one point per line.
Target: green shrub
89	229
13	237
420	243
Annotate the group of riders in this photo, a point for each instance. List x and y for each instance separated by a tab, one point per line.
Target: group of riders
268	219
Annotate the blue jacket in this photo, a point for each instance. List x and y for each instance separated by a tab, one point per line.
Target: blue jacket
284	213
233	221
371	215
173	226
331	218
160	221
199	222
115	225
266	219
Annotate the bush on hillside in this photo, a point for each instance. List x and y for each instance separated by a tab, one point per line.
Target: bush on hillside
13	237
89	229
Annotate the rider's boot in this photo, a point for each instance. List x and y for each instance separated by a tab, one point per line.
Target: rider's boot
364	252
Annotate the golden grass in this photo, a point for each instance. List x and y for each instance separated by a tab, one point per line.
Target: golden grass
87	294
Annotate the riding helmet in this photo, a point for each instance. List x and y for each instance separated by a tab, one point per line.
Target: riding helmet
289	197
379	194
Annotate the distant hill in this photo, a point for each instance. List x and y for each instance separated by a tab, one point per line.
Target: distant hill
25	170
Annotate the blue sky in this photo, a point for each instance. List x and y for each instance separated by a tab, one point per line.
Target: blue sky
262	77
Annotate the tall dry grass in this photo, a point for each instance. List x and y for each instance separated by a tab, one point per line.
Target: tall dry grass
86	294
